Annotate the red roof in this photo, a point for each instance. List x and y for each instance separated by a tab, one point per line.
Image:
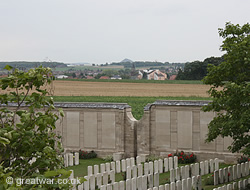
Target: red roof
104	77
90	77
173	77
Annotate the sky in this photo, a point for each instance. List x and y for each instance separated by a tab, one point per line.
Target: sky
105	31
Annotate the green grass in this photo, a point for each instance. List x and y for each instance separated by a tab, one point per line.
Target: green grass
137	103
81	171
140	81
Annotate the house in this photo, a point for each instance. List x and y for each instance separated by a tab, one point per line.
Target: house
104	77
116	77
61	76
173	77
153	74
90	77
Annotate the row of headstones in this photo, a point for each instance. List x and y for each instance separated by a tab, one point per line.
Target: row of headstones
231	173
242	184
129	164
196	169
71	159
141	184
186	184
137	183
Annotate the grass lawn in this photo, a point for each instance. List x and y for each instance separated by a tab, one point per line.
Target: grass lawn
137	103
81	170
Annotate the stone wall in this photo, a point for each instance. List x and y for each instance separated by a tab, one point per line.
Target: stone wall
165	127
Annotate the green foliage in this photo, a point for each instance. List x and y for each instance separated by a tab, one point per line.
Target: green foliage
87	155
152	158
243	159
184	158
232	100
108	158
209	180
29	148
197	70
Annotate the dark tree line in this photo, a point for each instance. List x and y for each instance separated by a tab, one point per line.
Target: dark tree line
197	70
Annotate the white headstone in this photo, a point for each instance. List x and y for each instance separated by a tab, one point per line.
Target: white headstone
112	176
134	169
86	184
216	177
146	169
140	172
128	173
229	187
144	182
109	187
96	169
80	187
230	173
211	165
221	177
177	174
202	167
107	167
216	164
150	180
242	169
170	163
121	185
99	180
124	167
172	177
234	185
240	184
178	185
92	182
155	188
103	187
172	186
151	168
183	172
102	168
225	173
184	184
128	184
192	170
238	171
175	161
66	160
206	167
115	186
160	164
187	171
156	179
165	164
113	166
139	182
90	170
199	180
105	178
194	182
128	162
189	183
71	160
76	158
132	161
197	169
245	182
247	168
161	187
134	186
118	167
156	166
167	187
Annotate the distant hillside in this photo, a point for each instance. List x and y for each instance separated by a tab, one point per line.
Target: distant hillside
147	64
28	65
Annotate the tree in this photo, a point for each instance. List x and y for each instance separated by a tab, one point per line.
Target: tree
231	89
28	146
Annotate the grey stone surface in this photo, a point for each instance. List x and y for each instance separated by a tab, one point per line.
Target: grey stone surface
165	164
146	169
156	179
118	166
150	181
144	182
121	185
128	184
124	165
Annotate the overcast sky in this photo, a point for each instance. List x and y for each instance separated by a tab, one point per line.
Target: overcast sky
100	31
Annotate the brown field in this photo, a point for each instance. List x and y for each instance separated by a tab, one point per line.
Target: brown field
82	88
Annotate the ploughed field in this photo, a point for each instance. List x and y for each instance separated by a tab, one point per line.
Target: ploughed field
83	88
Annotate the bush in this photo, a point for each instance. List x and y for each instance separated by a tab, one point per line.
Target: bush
108	158
87	155
152	158
243	159
184	158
